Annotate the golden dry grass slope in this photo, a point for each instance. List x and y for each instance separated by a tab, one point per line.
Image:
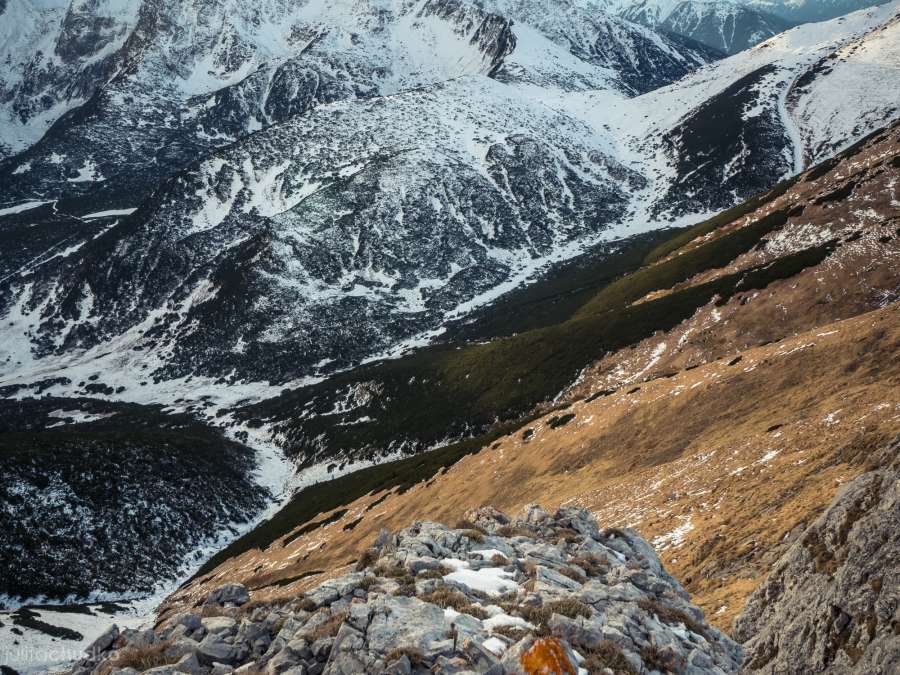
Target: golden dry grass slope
719	440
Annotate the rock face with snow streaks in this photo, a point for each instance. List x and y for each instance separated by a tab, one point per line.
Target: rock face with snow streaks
293	166
305	165
496	595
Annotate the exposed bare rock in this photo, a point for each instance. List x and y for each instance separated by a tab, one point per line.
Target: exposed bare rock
535	594
831	604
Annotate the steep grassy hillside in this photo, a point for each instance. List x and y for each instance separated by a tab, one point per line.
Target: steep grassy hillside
721	342
456	390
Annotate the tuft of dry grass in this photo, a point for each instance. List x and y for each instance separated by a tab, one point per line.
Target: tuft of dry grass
568	535
405	579
573	574
278	625
671	615
474	535
367	582
447	597
466	524
594	565
513	633
655	658
515	531
407	588
391	571
416	658
306	604
328	628
368	558
477	611
438	572
217	610
570	607
252	605
538	616
481	595
144	658
606	655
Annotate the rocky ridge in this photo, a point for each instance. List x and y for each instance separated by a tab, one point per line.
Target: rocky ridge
831	604
537	593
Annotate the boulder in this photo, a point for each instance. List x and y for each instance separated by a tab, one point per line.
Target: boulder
404	622
219	624
577	519
549	580
585	632
214	649
401	666
487	518
103	642
533	514
345	654
251	668
189	620
189	664
282	662
229	594
300	648
180	647
138	638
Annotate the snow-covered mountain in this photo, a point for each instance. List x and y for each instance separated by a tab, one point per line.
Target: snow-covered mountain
375	177
175	80
394	87
101	498
863	71
803	11
736	127
729	26
400	208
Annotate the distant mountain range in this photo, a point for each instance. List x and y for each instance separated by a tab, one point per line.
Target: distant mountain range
233	213
731	26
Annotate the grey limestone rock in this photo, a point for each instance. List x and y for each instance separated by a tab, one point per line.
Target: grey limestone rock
229	594
832	603
559	582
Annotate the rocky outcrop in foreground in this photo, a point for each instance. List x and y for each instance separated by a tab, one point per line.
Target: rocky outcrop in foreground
538	594
832	604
